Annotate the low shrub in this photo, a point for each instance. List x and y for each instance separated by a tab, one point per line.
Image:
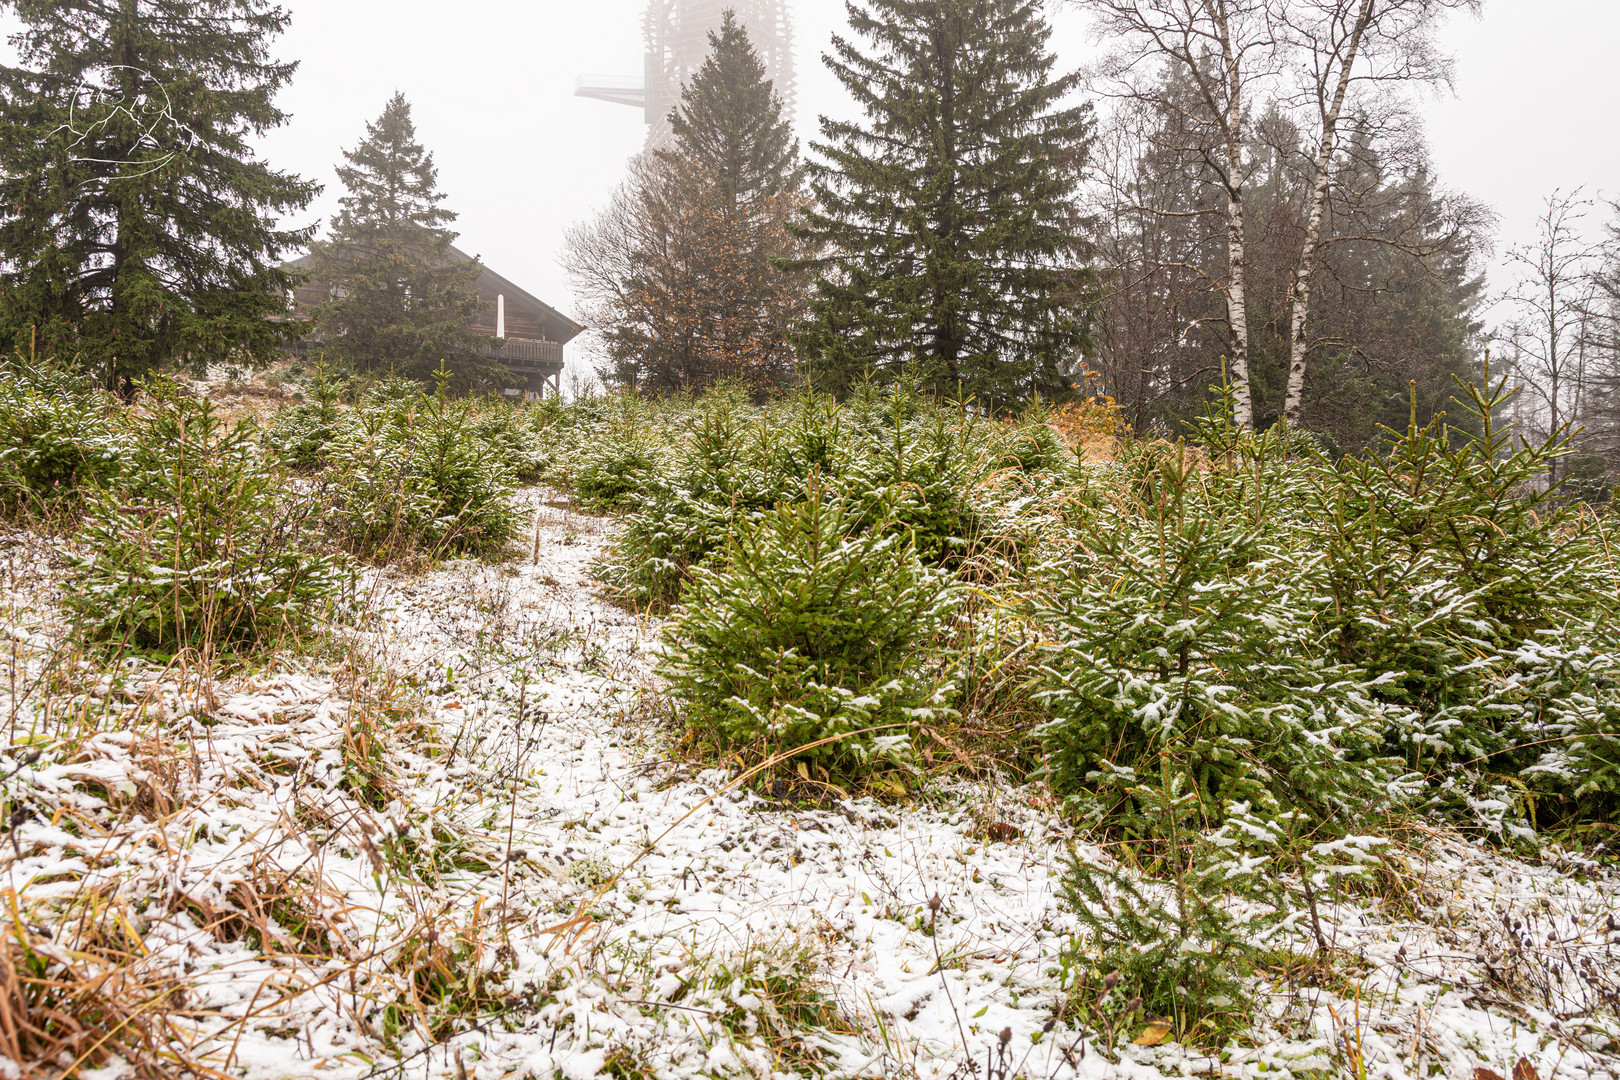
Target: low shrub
807	633
733	465
624	470
58	434
198	544
412	472
511	431
1344	634
891	458
1260	661
604	451
619	459
300	434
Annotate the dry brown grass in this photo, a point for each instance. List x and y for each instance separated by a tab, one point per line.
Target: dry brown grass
67	1007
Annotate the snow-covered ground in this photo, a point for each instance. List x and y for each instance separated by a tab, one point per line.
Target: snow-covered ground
460	841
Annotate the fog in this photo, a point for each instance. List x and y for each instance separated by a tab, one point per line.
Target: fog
521	158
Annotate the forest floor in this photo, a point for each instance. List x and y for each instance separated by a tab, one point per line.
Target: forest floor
459	837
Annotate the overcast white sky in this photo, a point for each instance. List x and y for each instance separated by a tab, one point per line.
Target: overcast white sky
521	158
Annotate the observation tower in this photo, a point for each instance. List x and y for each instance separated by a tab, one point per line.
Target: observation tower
677	42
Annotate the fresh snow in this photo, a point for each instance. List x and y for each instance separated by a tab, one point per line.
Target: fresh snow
628	907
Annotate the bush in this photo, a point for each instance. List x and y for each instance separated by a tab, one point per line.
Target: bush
1184	629
1455	575
198	544
1332	637
58	434
808	633
923	470
682	524
890	458
732	466
509	430
618	459
1259	660
299	435
413	472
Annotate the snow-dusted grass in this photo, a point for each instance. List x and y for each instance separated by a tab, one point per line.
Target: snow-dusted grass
455	839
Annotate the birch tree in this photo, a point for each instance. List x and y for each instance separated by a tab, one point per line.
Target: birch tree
1396	292
1338	46
1229	51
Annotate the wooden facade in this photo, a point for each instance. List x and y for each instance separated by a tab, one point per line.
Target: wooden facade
524	332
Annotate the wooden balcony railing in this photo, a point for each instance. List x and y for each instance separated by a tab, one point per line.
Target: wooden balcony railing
521	355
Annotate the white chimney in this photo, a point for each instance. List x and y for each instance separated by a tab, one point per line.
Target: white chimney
500	316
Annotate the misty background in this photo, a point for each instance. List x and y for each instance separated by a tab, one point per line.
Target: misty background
522	159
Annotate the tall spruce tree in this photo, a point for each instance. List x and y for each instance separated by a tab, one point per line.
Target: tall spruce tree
137	227
399	298
729	124
685	272
947	217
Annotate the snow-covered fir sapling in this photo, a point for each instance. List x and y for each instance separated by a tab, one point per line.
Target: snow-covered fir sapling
809	632
893	456
300	434
1488	604
1197	720
198	543
58	434
733	465
412	474
1260	660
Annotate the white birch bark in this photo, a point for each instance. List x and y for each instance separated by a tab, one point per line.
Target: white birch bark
1299	291
1237	305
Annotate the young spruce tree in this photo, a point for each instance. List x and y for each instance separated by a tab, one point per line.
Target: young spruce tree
399	298
136	225
947	216
684	271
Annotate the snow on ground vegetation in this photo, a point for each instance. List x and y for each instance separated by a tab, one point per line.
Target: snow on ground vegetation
456	839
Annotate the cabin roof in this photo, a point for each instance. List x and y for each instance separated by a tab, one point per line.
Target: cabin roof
556	326
559	326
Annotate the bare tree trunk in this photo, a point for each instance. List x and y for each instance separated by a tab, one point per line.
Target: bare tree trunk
1555	368
1551	303
1300	290
1194	35
1237	304
1237	310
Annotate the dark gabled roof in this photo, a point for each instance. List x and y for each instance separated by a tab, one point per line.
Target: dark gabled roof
564	328
510	288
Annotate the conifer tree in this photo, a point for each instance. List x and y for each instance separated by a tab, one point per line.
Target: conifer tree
399	299
137	226
729	123
947	215
684	272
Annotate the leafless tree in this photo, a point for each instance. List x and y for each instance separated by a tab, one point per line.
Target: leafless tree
1602	337
683	281
1550	313
1339	47
1227	49
1323	64
1161	227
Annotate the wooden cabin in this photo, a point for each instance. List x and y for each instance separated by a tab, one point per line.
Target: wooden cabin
525	333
